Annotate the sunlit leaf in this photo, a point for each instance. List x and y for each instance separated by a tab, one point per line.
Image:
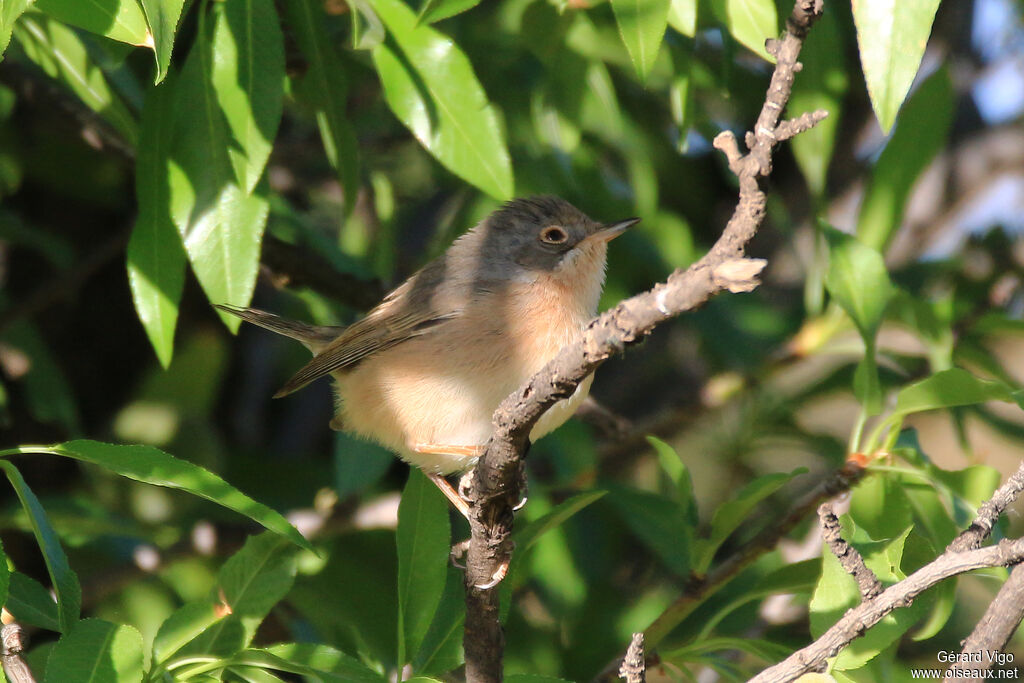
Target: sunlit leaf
62	55
424	540
892	35
324	88
330	664
10	10
436	10
949	388
922	131
751	22
682	16
156	259
186	624
162	18
642	26
248	82
65	581
153	466
120	20
96	651
430	85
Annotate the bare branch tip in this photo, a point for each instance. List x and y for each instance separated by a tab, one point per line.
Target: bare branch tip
634	667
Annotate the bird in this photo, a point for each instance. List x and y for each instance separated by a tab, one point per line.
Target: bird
423	372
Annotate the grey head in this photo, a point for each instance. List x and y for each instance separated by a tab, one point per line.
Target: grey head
538	233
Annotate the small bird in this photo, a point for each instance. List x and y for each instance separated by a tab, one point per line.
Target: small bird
424	371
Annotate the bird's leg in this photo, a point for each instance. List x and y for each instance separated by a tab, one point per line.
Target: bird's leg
447	449
450	493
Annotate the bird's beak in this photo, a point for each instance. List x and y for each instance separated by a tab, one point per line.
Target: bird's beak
609	232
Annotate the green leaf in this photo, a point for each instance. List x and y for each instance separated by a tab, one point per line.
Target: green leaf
922	131
731	514
430	86
642	27
533	678
5	576
156	259
435	10
950	388
892	35
249	584
324	89
248	81
331	664
751	22
220	224
153	466
441	650
528	535
120	20
680	476
31	603
682	16
424	543
96	651
186	624
162	19
62	55
265	658
10	10
65	582
821	85
659	522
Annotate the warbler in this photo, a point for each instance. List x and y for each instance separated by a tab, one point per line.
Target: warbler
425	370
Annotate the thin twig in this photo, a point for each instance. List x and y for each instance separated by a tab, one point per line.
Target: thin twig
848	557
989	513
494	490
859	619
634	668
996	627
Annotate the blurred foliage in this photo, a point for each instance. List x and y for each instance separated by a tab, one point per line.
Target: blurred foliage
153	152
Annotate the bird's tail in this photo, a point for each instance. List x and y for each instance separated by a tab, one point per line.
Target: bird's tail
313	337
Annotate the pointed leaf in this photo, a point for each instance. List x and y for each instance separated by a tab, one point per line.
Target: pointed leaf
156	259
120	20
659	522
682	16
10	10
922	131
821	85
731	514
892	35
153	466
330	664
184	625
324	89
436	10
751	22
430	86
642	27
31	603
162	18
859	282
62	55
96	651
248	81
424	540
441	650
680	476
222	226
249	584
951	388
65	581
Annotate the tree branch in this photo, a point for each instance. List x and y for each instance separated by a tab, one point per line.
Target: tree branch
996	626
961	556
847	555
494	489
634	668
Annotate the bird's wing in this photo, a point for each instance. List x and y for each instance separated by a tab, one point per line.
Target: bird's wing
374	333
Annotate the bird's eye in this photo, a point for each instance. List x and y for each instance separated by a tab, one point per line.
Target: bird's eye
553	235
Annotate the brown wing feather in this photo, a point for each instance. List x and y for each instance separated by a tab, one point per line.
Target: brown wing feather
370	335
